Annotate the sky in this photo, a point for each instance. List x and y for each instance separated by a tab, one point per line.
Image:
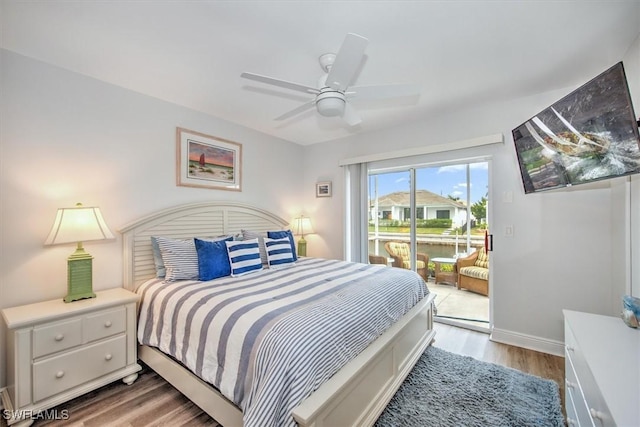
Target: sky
443	180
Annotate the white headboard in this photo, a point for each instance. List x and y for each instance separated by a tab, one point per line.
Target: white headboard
191	220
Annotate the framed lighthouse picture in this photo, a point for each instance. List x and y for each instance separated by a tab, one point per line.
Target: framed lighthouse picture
207	161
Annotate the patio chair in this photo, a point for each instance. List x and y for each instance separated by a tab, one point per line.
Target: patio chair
473	272
377	259
401	254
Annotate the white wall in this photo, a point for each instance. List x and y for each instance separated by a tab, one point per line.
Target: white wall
632	69
625	209
67	138
559	256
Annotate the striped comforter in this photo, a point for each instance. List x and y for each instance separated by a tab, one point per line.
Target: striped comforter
267	340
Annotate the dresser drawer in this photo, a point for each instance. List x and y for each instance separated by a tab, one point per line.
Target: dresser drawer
580	373
575	396
56	337
59	373
105	324
572	417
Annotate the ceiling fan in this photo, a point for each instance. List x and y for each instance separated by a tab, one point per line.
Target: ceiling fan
333	91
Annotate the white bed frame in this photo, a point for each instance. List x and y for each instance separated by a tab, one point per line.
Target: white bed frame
355	396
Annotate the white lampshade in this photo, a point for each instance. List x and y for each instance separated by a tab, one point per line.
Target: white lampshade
78	224
302	226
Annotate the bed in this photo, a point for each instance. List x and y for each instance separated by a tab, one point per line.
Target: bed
355	395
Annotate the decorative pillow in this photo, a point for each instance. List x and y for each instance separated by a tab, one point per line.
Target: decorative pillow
244	256
180	258
483	259
213	259
279	253
281	235
161	271
250	235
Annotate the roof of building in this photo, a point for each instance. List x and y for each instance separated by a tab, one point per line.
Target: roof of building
423	198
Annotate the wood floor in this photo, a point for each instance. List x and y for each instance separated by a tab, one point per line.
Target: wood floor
150	401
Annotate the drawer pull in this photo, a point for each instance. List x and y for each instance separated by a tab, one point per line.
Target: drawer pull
108	357
107	324
570	348
571	421
570	384
596	414
59	374
59	337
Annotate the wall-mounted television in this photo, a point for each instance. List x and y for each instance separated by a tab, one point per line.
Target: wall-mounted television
590	134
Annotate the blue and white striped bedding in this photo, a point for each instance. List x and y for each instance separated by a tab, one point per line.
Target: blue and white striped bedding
267	340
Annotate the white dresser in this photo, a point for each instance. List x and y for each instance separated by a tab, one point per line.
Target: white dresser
602	371
57	351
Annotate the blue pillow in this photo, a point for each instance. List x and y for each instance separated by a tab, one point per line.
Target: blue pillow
213	261
244	256
279	252
282	235
161	270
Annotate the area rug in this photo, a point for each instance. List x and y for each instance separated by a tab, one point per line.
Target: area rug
446	389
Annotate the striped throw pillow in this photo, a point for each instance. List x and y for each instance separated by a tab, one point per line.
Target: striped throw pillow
483	259
244	257
179	257
279	252
250	235
281	235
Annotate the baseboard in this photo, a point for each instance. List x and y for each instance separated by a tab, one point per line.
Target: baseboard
530	342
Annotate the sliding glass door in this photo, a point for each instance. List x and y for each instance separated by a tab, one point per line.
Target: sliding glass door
435	213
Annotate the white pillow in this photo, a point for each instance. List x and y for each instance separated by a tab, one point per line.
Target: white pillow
279	253
244	256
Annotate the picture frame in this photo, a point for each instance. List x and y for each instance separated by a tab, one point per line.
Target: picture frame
323	189
206	161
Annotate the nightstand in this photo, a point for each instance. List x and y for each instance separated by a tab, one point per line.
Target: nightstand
57	351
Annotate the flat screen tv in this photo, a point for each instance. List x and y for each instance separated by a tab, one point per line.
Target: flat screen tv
590	134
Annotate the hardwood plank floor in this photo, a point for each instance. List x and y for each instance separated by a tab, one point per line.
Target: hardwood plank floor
150	401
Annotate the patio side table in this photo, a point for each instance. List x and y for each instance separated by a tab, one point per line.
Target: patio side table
450	277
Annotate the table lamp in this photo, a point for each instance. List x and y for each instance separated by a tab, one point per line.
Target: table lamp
76	225
302	226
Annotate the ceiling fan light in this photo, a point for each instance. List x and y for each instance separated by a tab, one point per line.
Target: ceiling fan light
330	106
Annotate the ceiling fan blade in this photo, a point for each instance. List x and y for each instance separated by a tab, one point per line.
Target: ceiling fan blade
382	91
304	107
350	115
347	62
280	83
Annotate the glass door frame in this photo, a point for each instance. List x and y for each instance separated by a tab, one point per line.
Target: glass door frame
411	169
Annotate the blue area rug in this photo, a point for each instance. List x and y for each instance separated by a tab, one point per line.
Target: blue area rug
446	389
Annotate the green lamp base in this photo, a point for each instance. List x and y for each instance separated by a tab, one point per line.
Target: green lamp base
302	247
79	276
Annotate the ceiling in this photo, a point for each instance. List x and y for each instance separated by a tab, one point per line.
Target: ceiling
192	53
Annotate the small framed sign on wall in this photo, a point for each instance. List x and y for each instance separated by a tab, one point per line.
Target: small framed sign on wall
323	189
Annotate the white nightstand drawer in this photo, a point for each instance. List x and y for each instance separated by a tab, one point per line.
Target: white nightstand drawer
73	368
105	324
56	337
